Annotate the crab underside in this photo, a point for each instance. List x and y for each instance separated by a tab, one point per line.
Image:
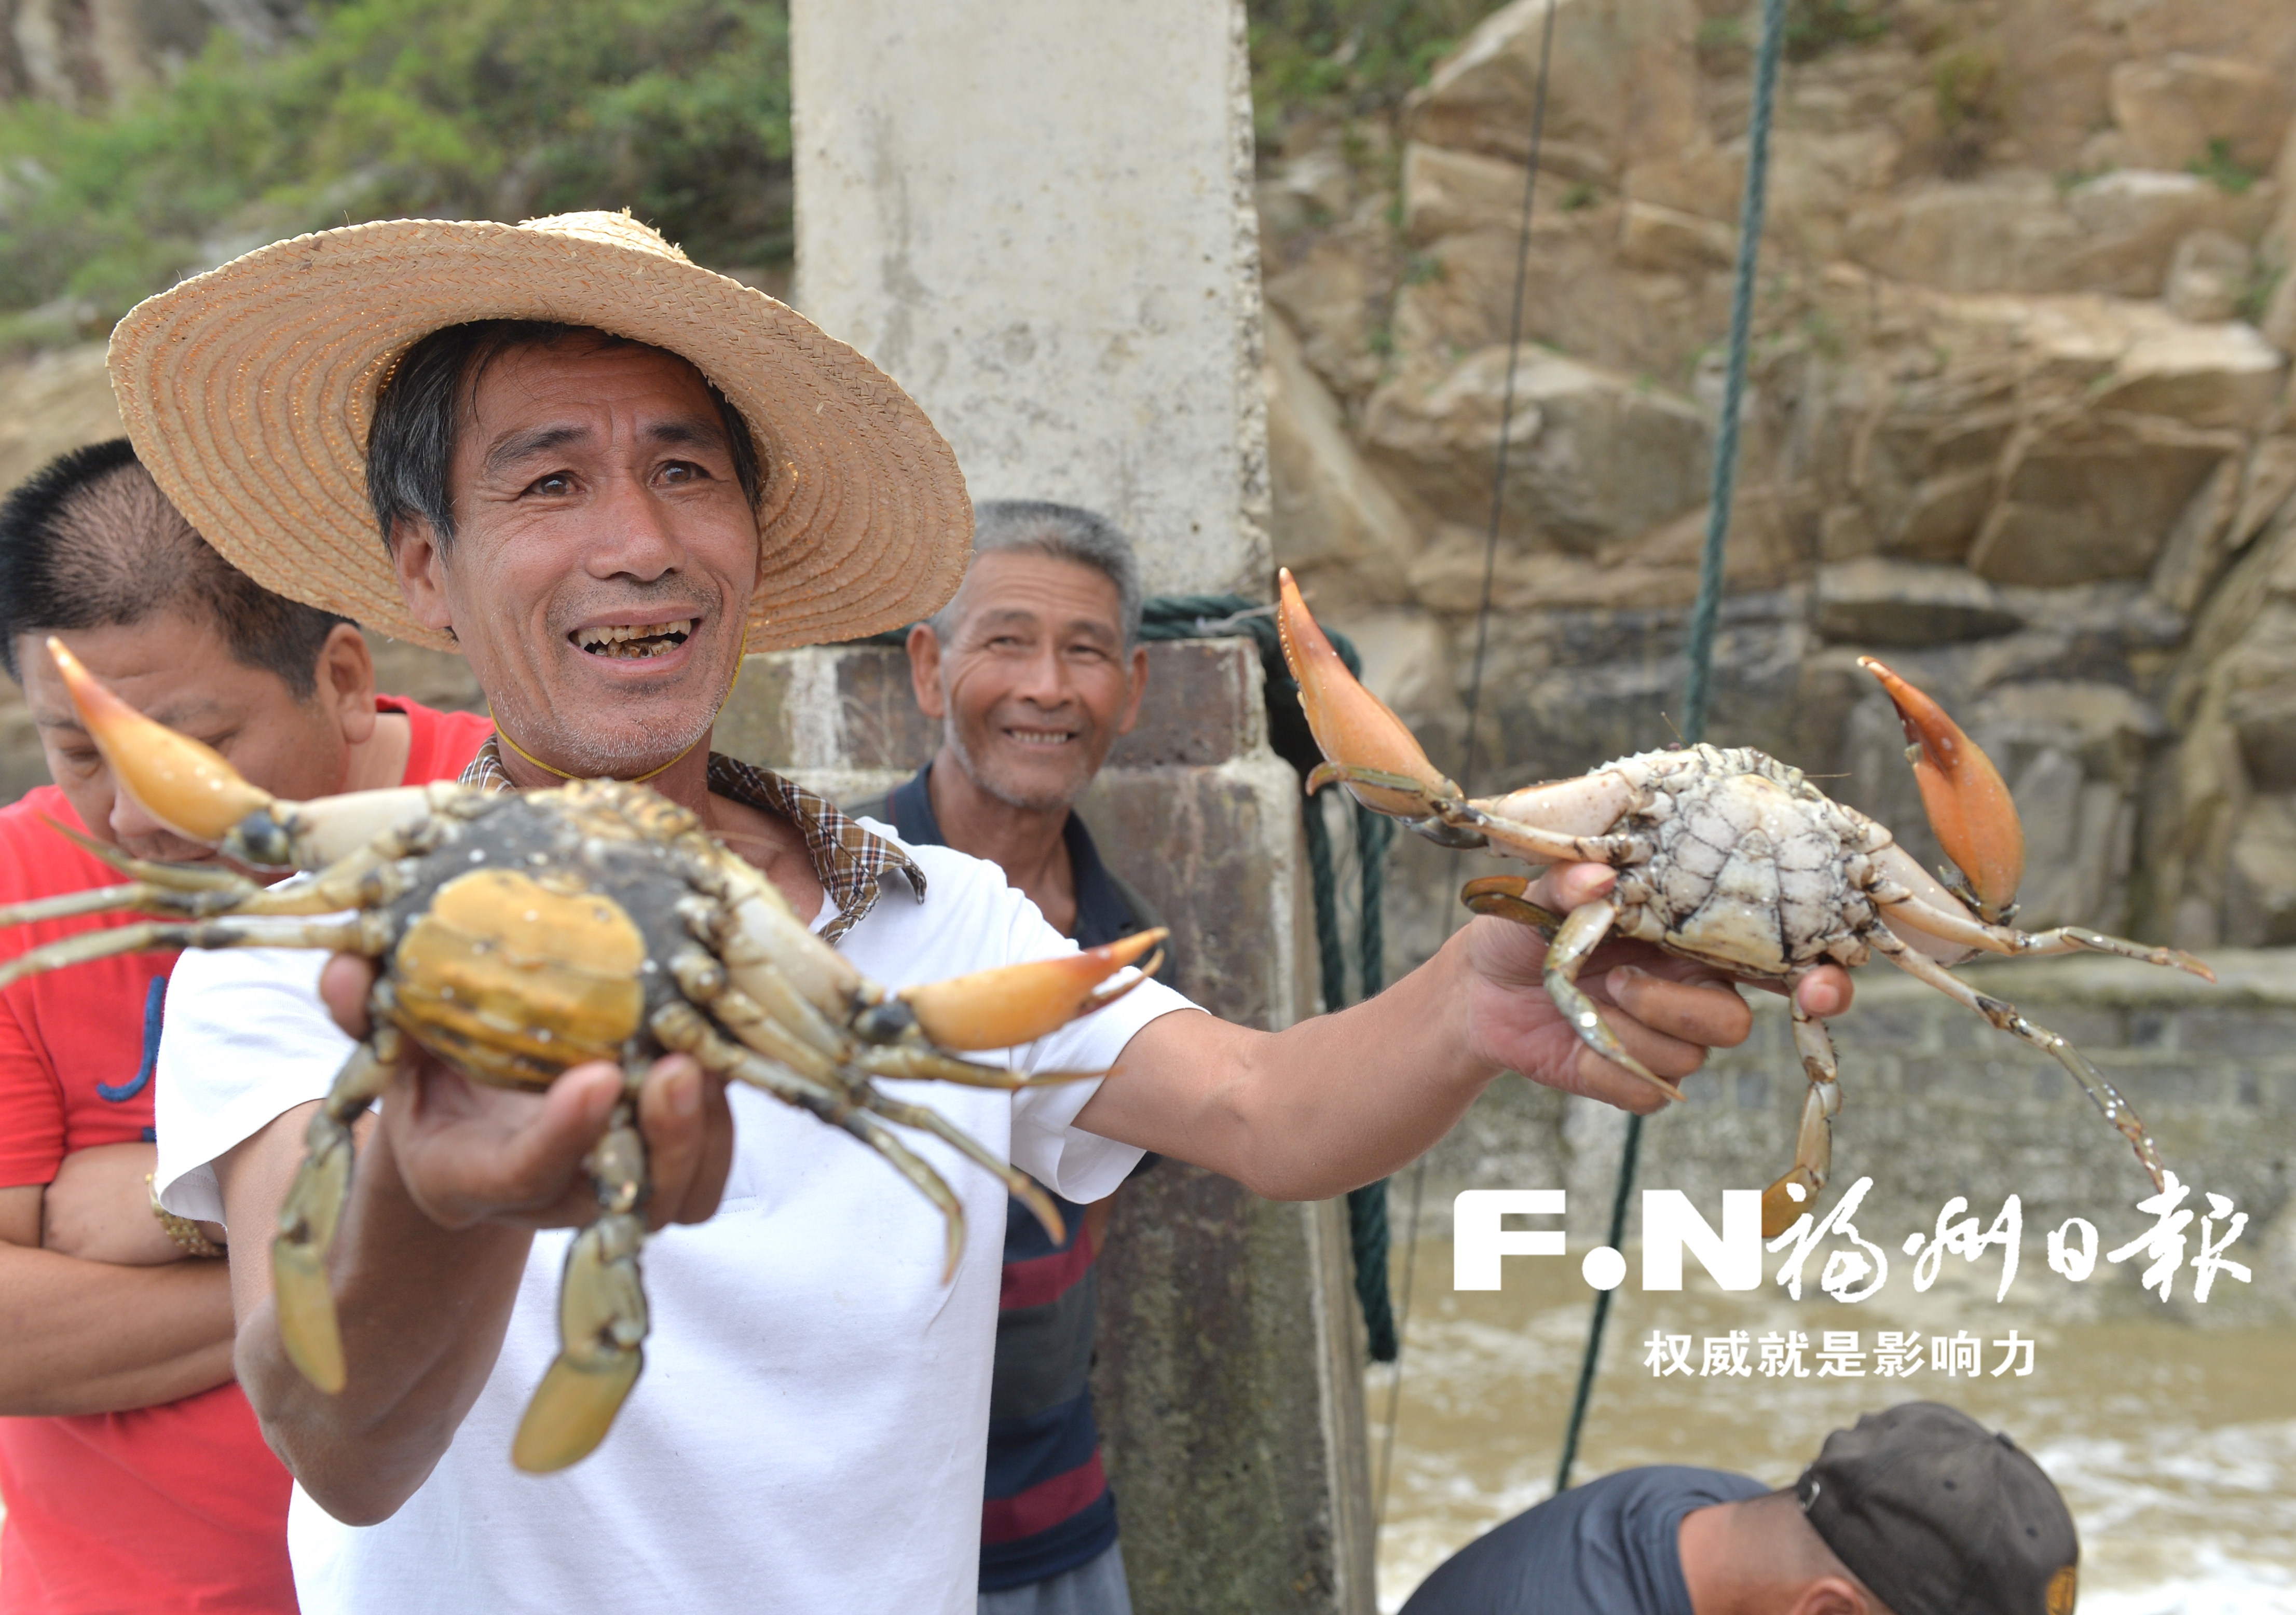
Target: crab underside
1728	856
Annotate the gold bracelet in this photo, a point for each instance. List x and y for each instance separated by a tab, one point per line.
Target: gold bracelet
183	1230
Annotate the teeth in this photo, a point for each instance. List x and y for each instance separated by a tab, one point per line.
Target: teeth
625	643
1041	737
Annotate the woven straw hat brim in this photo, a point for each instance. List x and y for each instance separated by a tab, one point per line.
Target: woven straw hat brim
248	392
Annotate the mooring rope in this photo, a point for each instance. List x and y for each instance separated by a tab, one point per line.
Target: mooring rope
1699	679
1198	616
1475	681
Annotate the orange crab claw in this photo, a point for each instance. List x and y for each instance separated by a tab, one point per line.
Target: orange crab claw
1355	730
185	785
998	1009
1968	805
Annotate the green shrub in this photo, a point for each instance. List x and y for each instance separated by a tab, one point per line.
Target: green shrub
1347	56
470	108
2222	170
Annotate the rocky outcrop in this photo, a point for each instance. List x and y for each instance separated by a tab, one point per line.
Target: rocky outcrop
2015	414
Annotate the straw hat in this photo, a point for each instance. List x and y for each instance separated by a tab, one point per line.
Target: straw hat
248	392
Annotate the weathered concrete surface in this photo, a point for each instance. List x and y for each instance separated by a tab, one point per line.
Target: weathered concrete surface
1042	226
1936	1104
1229	1380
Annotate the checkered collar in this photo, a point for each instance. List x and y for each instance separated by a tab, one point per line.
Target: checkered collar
850	863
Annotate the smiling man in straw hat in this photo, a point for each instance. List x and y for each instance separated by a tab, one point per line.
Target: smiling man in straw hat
599	471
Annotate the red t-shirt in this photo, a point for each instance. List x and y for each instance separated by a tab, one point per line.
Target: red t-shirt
180	1507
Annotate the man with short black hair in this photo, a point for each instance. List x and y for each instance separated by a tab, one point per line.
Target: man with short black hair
1917	1511
134	1472
1034	669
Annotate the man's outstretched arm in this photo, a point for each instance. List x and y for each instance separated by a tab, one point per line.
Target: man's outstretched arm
1344	1099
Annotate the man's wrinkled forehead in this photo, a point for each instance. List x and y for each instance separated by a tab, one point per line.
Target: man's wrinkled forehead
1004	589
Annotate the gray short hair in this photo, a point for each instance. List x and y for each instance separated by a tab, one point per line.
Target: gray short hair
1065	532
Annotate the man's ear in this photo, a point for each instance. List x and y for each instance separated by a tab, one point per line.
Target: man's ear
1131	713
346	680
924	670
1834	1595
422	568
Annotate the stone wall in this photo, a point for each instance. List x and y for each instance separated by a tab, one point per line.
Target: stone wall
2016	416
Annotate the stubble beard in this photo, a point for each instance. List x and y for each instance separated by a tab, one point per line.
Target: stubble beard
1003	788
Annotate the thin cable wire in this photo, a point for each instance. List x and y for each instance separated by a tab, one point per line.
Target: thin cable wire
1703	615
1700	675
1474	691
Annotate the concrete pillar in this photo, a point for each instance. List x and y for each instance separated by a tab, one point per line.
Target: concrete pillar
1229	1380
1036	216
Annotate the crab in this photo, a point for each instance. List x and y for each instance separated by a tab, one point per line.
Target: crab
1730	857
521	934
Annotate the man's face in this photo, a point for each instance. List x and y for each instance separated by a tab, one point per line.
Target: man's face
180	673
603	556
1035	684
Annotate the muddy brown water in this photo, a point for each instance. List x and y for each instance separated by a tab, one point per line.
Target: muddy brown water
2170	1430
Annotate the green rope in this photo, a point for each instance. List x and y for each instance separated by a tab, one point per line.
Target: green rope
1699	679
1199	616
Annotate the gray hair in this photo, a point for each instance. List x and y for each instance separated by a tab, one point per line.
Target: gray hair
1065	532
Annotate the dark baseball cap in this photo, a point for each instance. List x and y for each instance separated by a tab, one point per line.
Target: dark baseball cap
1940	1516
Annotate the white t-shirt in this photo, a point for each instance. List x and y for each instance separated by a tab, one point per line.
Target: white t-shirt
808	1435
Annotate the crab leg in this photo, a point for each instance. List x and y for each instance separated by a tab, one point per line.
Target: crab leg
347	936
1508	898
1933	921
1366	747
313	1208
2006	1017
1581	934
923	1065
704	981
1787	1201
999	1009
871	1132
1538	844
190	788
1969	808
680	1026
1022	1187
602	1313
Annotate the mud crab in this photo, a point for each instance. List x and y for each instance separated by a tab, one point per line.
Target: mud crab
1729	857
525	933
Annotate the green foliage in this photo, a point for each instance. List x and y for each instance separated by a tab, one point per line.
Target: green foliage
2256	297
474	109
1971	95
1968	88
1814	27
2224	170
1580	197
1347	56
1723	42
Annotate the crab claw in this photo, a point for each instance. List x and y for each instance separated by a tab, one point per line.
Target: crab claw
1365	746
185	785
1969	808
998	1009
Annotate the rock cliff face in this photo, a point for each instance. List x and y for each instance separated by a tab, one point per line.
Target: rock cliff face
2016	415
